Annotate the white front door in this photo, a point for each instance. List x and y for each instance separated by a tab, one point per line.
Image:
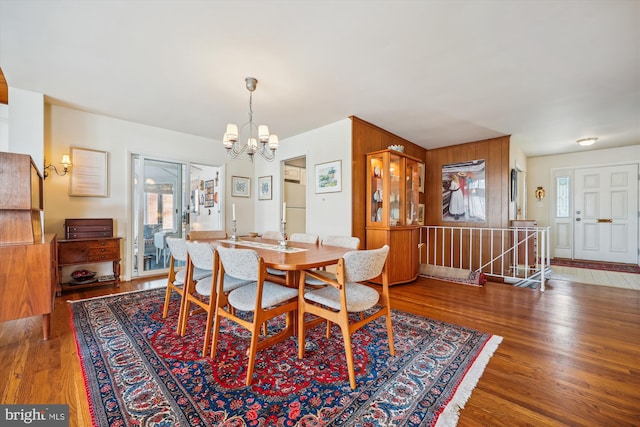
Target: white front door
606	214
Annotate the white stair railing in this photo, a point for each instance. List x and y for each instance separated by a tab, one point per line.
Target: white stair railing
518	255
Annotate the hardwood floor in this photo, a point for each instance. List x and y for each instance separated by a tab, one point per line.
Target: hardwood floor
570	356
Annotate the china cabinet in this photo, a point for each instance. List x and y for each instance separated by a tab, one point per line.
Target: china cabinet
392	211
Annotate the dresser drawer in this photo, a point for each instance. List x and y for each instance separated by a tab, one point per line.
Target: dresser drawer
72	252
102	254
84	234
104	244
87	228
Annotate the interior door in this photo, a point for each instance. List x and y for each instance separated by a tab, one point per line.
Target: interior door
606	219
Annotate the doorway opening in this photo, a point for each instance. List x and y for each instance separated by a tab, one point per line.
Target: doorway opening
295	193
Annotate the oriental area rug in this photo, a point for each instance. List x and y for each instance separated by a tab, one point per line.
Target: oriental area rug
138	371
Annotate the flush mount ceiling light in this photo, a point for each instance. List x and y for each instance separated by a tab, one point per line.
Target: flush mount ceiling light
585	142
255	134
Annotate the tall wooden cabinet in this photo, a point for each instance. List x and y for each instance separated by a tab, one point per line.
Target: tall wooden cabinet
392	211
28	260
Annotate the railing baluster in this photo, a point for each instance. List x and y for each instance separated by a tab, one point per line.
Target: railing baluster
533	269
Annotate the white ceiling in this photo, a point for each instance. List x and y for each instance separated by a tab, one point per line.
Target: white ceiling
434	72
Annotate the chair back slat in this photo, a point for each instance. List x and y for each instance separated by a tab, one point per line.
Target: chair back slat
178	248
360	266
348	242
304	238
240	263
207	234
201	255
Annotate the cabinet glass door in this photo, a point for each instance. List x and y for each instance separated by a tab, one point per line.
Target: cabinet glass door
411	198
395	192
375	198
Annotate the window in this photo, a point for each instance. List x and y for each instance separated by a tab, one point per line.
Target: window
562	197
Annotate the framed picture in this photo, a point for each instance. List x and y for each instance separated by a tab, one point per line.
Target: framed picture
421	177
463	191
421	213
208	194
329	177
90	175
240	186
264	187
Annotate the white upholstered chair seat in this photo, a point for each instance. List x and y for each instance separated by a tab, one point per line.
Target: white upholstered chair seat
198	274
244	298
203	286
359	297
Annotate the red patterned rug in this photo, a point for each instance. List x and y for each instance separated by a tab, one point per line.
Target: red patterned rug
596	265
138	371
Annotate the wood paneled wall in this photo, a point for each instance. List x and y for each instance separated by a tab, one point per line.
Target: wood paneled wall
365	138
495	153
4	89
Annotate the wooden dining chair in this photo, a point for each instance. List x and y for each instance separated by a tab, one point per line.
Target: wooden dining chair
206	235
347	295
265	299
177	278
202	292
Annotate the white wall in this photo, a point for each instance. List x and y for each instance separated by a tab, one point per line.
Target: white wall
67	127
26	124
327	213
540	170
518	160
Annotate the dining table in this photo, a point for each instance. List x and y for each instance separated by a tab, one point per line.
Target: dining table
292	258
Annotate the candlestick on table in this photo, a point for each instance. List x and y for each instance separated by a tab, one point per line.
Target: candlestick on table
233	212
283	243
284	212
233	231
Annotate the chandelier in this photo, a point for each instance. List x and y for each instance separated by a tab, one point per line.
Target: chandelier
258	140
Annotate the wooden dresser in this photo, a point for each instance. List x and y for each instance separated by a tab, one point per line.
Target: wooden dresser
89	241
27	256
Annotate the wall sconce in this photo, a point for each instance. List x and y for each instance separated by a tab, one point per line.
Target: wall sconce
65	162
540	193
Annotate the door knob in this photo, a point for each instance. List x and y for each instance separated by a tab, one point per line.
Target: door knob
578	219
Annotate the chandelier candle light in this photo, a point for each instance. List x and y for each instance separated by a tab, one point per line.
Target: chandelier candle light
256	134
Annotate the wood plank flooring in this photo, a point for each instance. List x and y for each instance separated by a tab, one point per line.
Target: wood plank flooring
570	356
